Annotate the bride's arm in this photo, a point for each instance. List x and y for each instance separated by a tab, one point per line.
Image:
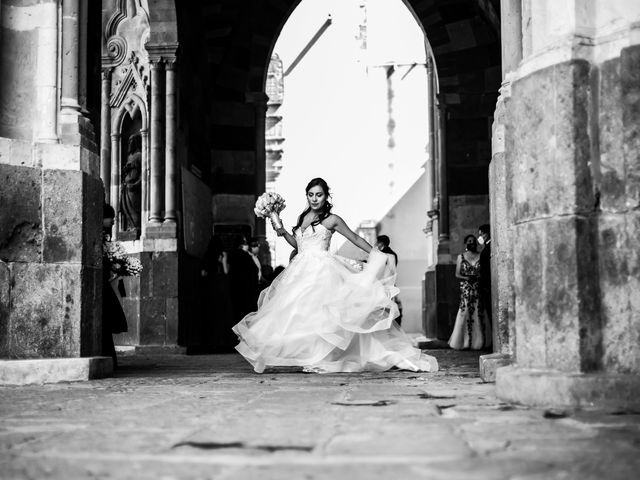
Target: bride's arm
341	227
291	240
280	230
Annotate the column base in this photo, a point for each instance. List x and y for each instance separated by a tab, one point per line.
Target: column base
161	230
490	363
552	388
128	350
54	370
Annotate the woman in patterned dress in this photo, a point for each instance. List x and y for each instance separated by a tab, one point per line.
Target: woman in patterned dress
472	329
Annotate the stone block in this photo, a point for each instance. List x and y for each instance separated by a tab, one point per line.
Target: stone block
92	202
91	312
21	214
53	156
5	305
612	158
489	364
153	321
62	209
160	231
16	152
551	172
558	322
619	269
630	92
53	370
46	311
549	388
164	280
501	258
172	320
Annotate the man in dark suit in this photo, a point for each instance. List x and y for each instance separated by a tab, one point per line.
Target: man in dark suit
383	243
243	280
484	238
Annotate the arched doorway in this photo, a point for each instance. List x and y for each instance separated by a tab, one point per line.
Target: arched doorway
349	100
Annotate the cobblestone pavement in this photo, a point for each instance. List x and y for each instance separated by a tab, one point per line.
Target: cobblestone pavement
212	417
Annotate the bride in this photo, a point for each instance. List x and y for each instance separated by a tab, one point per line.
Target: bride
324	312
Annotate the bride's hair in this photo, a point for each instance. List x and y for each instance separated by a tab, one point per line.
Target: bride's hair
326	208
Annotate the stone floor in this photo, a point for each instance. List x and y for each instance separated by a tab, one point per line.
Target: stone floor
212	417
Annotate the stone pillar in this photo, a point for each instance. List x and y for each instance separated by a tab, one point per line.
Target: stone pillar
46	77
433	149
170	216
51	205
157	144
105	134
442	195
83	51
500	199
144	136
502	268
259	100
70	58
115	179
511	34
572	126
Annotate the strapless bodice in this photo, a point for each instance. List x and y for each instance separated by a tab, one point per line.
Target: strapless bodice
313	238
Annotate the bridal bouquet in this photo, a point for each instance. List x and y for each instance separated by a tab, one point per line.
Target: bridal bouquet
122	264
269	205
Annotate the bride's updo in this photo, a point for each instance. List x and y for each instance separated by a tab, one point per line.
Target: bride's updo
326	208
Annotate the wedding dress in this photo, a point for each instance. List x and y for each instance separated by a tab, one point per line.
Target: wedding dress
326	313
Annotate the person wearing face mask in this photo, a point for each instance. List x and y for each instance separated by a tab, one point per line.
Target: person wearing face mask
472	329
326	313
484	239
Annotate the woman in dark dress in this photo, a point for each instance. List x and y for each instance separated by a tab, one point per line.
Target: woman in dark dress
472	329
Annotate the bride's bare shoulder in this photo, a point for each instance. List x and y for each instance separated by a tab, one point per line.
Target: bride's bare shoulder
333	219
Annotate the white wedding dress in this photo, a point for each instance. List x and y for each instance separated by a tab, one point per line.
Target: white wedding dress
325	313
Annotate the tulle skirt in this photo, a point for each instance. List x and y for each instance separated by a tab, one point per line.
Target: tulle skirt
325	314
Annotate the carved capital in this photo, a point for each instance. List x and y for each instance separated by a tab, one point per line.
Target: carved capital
162	53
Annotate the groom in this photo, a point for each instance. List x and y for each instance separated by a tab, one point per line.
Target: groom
484	238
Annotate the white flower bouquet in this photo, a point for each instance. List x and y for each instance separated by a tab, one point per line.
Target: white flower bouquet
269	205
121	264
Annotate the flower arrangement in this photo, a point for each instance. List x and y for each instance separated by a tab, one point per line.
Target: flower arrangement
120	263
269	205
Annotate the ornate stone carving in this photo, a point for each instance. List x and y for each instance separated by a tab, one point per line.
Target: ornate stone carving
134	77
116	51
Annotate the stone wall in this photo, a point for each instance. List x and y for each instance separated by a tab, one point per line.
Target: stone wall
50	262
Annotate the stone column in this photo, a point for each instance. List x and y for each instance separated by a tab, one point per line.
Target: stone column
83	49
443	197
572	125
500	198
115	178
511	34
170	216
70	58
157	143
144	136
105	134
259	100
431	170
46	83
